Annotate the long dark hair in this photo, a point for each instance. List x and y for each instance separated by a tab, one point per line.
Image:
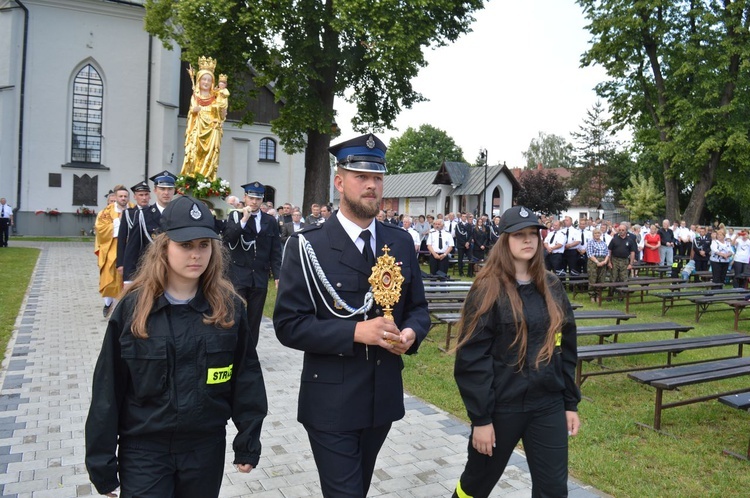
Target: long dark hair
497	280
151	280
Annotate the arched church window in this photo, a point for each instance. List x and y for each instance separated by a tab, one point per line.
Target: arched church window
88	100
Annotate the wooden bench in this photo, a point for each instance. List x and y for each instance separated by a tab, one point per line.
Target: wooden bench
702	303
603	331
645	289
669	379
741	402
669	298
668	346
451	319
739	306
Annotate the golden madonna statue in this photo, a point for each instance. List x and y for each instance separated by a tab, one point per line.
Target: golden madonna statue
208	110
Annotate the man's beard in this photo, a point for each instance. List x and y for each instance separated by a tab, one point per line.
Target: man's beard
360	209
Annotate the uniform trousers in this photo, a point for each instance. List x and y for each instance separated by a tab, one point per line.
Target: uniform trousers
462	253
545	441
4	231
346	459
150	473
256	299
442	265
556	262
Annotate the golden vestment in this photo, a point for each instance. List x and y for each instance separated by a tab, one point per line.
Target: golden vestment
105	247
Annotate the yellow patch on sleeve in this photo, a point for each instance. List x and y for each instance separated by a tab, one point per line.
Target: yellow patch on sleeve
558	338
219	375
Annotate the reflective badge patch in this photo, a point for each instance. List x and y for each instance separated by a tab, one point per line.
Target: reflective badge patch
558	338
219	375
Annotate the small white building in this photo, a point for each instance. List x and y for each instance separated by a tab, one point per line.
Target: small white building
89	100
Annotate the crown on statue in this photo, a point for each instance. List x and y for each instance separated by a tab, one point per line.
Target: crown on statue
206	64
223	77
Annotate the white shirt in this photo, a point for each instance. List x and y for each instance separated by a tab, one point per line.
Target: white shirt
257	220
6	211
554	238
414	235
743	250
433	240
572	234
353	230
116	223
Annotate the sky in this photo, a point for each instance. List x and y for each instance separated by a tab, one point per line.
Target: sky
516	74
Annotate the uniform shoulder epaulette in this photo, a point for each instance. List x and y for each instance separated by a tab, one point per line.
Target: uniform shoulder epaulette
391	226
310	228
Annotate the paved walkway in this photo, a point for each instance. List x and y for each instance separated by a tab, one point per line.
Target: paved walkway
46	391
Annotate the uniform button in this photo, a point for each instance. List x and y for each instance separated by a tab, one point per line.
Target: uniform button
338	284
378	362
315	376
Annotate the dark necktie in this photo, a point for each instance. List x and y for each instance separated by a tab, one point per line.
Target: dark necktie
367	250
440	240
254	227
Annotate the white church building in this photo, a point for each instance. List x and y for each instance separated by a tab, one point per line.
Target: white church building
89	100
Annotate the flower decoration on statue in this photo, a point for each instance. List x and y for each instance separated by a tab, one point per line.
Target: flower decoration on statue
85	210
201	187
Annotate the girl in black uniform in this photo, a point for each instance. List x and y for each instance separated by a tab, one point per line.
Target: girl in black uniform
515	364
177	362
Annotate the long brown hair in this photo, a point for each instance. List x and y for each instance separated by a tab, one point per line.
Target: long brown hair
497	280
151	280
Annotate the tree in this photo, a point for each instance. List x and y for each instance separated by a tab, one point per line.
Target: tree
424	149
602	168
311	51
551	151
678	71
542	191
643	198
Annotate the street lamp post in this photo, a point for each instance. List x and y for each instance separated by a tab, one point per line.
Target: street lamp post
483	155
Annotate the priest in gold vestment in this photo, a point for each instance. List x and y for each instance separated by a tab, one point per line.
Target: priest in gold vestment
107	227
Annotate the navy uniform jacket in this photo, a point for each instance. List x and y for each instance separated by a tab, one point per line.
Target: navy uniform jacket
253	255
345	385
138	239
127	219
463	234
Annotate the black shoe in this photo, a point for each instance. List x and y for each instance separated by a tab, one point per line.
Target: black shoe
105	310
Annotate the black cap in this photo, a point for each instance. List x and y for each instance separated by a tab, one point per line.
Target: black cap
517	218
365	153
187	218
140	187
106	196
164	179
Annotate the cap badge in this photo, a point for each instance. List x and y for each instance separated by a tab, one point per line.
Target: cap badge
370	142
523	213
195	213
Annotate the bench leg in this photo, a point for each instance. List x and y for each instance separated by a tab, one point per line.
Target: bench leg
448	338
657	408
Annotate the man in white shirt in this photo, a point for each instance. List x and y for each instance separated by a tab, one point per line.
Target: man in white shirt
414	234
440	244
572	242
555	245
6	221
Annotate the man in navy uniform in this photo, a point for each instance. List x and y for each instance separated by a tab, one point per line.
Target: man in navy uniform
147	223
142	196
351	390
252	238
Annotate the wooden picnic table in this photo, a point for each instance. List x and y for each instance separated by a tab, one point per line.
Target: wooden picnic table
739	306
603	331
702	303
645	288
601	286
669	298
451	318
668	346
669	379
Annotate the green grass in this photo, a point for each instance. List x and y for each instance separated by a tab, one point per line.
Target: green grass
34	238
16	266
611	452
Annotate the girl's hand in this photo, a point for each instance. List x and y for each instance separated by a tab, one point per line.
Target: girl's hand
574	423
483	439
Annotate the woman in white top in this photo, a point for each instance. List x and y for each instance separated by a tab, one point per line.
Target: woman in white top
741	258
721	252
